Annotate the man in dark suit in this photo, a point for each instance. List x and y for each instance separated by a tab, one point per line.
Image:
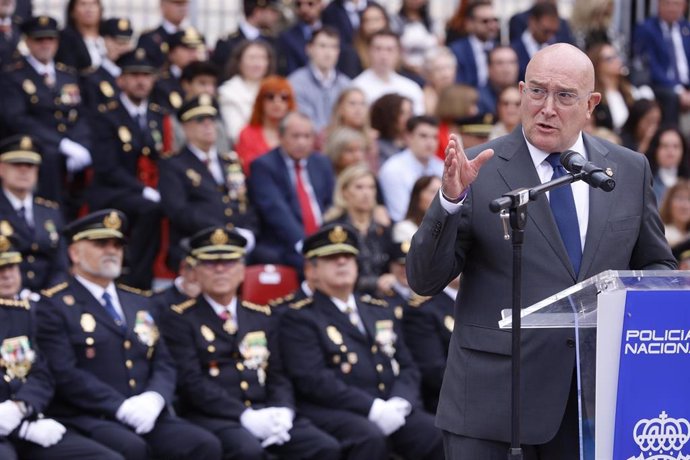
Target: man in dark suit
231	380
541	31
353	374
27	385
344	15
36	222
662	44
293	41
260	18
200	186
519	22
129	134
99	85
503	72
599	231
114	377
42	98
155	41
471	51
291	187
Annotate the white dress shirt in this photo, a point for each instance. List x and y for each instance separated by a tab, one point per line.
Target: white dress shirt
27	203
373	87
97	292
230	309
479	49
211	156
353	315
678	50
40	68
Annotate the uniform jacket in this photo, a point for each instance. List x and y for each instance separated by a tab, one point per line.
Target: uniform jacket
624	233
8	46
293	45
17	330
428	324
221	374
96	365
98	89
72	50
155	43
121	144
43	248
332	364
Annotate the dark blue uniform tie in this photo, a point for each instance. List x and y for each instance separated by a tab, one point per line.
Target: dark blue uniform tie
564	212
110	308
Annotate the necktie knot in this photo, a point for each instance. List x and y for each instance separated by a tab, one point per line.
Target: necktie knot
554	159
110	308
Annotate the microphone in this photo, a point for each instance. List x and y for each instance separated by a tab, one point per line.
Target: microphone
593	174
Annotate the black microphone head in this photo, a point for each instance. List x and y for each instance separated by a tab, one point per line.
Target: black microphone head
569	158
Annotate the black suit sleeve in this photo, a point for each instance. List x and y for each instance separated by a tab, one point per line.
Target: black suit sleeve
107	158
279	388
425	345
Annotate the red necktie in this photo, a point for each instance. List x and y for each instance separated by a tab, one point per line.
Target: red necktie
308	218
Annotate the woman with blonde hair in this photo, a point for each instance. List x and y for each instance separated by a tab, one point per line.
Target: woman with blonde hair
345	147
354	203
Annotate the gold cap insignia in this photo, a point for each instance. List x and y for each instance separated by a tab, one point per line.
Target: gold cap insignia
43	20
337	235
123	24
4	243
124	134
405	247
140	53
205	99
25	143
5	228
219	237
87	322
112	221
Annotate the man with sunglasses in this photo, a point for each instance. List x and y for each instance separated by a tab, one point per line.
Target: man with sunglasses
572	234
231	379
472	50
542	27
114	377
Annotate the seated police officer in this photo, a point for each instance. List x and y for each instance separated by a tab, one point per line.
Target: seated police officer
230	375
352	372
201	186
130	140
114	376
27	386
37	222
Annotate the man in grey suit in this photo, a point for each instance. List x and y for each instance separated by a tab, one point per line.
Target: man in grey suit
616	230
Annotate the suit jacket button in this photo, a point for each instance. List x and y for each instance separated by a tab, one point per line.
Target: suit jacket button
132	383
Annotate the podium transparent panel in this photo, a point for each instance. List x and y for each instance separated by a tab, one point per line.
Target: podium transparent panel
579	307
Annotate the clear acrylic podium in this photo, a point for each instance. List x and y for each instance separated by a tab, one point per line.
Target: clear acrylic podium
595	309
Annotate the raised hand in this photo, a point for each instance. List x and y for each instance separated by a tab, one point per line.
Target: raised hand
458	171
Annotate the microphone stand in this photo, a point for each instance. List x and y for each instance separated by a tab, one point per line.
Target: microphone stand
516	202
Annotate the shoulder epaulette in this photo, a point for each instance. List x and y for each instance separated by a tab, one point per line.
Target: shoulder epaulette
134	290
265	309
154	107
51	291
417	300
366	298
301	303
184	306
47	203
15	303
65	68
281	300
88	71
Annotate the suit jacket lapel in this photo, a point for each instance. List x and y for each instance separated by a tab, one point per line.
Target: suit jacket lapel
340	319
600	204
368	320
518	171
7	212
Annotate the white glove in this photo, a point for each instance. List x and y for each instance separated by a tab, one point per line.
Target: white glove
279	439
10	417
45	432
386	416
141	411
400	404
249	236
78	157
151	194
283	417
259	422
